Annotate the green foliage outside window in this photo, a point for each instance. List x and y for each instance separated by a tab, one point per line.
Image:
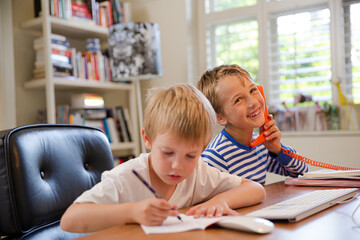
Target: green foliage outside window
237	43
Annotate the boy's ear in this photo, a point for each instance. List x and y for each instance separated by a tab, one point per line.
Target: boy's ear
221	120
146	139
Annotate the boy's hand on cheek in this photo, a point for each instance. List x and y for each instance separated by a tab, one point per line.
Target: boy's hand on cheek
211	208
153	211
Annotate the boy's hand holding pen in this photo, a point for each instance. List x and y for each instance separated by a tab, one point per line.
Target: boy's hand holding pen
151	188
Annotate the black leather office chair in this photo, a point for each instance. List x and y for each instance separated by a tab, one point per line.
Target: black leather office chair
43	169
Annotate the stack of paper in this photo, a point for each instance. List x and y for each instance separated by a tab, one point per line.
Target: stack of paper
328	173
327	177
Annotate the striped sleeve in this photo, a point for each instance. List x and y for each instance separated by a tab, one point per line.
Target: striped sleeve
286	165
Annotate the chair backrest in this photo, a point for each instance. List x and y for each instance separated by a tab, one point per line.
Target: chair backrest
43	168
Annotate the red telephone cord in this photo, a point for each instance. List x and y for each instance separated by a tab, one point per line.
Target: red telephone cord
313	162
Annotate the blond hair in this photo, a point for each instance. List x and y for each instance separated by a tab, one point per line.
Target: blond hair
182	109
209	81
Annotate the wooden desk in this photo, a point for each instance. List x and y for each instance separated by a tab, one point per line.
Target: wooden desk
332	223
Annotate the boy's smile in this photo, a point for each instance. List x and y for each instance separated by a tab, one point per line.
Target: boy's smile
255	114
242	106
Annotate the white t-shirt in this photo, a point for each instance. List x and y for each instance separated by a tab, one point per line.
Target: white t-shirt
120	185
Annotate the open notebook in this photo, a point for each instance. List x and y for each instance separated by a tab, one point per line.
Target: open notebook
242	223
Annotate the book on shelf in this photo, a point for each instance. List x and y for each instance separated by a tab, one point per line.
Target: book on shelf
124	123
105	14
111	113
76	118
87	100
113	132
106	129
97	123
94	113
126	12
90	113
62	114
57	41
57	55
123	158
121	11
128	122
79	10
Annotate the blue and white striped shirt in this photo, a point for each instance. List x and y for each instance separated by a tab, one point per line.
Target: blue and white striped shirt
228	155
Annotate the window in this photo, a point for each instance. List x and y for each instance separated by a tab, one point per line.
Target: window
221	5
234	43
289	46
300	57
352	49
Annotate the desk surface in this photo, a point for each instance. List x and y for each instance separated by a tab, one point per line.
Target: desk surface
332	223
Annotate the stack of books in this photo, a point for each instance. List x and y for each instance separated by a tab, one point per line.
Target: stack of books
87	100
327	177
89	109
92	64
61	57
69	63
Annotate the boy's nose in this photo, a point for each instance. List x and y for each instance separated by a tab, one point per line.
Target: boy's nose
251	101
177	164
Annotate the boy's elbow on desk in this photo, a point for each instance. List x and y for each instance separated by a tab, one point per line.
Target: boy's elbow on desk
255	192
70	221
66	223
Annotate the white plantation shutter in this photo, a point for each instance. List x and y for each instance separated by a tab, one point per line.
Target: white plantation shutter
300	56
352	49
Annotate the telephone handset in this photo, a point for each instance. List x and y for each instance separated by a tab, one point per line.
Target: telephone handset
261	139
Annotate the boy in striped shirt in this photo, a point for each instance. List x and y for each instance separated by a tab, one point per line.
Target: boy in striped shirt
240	107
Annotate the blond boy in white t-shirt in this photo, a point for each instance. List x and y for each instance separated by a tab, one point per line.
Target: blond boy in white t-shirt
178	125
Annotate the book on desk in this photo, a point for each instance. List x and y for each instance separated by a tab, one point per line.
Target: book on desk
327	177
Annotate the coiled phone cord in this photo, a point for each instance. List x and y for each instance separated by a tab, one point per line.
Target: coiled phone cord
313	162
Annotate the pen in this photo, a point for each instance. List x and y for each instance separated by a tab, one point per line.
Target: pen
150	188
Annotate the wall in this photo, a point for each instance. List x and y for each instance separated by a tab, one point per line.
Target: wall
171	15
28	102
7	79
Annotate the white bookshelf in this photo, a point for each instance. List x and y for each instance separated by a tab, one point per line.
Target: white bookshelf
44	26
